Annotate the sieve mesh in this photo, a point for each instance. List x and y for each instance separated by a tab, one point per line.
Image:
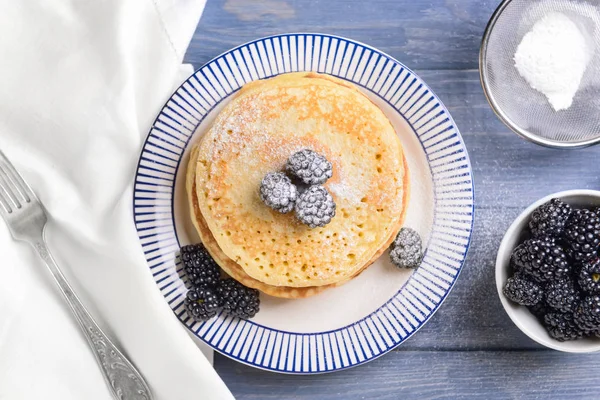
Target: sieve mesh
524	109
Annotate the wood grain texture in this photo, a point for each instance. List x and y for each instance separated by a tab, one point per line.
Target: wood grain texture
428	375
433	34
469	349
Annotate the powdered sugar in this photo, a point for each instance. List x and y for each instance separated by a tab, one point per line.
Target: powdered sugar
349	191
553	57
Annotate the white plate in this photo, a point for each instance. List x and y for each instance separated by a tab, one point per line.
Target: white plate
374	312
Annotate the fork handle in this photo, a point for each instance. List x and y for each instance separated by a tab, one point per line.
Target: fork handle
122	378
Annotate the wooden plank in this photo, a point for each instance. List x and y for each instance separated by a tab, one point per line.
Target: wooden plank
509	171
435	34
430	375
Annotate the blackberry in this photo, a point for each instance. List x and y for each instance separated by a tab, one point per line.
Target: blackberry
562	295
406	249
540	310
587	314
315	207
278	192
522	290
311	167
562	327
202	304
582	235
542	259
407	237
238	300
200	268
549	219
518	257
589	276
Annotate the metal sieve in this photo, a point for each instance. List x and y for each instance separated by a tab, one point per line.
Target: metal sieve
526	111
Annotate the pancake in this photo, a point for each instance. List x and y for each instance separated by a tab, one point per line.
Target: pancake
233	269
255	133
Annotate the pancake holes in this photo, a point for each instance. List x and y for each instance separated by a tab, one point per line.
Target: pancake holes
314	266
216	199
285	262
337	272
260	267
379	169
271	266
285	253
229	131
210	208
357	208
269	232
328	269
328	237
360	225
228	233
206	195
278	253
288	244
315	274
290	281
257	259
273	240
380	210
320	232
319	242
377	156
287	274
263	253
309	236
267	274
363	200
261	240
243	247
308	277
334	234
304	266
360	234
351	256
299	241
246	264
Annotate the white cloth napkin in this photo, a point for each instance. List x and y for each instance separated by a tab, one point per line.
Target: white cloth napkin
80	84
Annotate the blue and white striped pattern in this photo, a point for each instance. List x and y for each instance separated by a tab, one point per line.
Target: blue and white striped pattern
416	301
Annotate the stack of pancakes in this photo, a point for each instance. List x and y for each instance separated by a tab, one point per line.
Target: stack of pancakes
262	126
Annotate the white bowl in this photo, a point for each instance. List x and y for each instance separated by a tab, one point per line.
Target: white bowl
520	315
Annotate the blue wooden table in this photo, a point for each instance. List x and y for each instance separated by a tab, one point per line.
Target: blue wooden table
469	349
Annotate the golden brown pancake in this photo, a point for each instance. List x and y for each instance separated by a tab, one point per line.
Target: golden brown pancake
233	269
255	133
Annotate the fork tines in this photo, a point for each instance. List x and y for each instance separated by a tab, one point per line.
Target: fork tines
14	192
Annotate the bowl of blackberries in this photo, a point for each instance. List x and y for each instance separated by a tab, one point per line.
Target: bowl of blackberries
548	271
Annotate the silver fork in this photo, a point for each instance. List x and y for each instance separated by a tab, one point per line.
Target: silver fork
26	219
